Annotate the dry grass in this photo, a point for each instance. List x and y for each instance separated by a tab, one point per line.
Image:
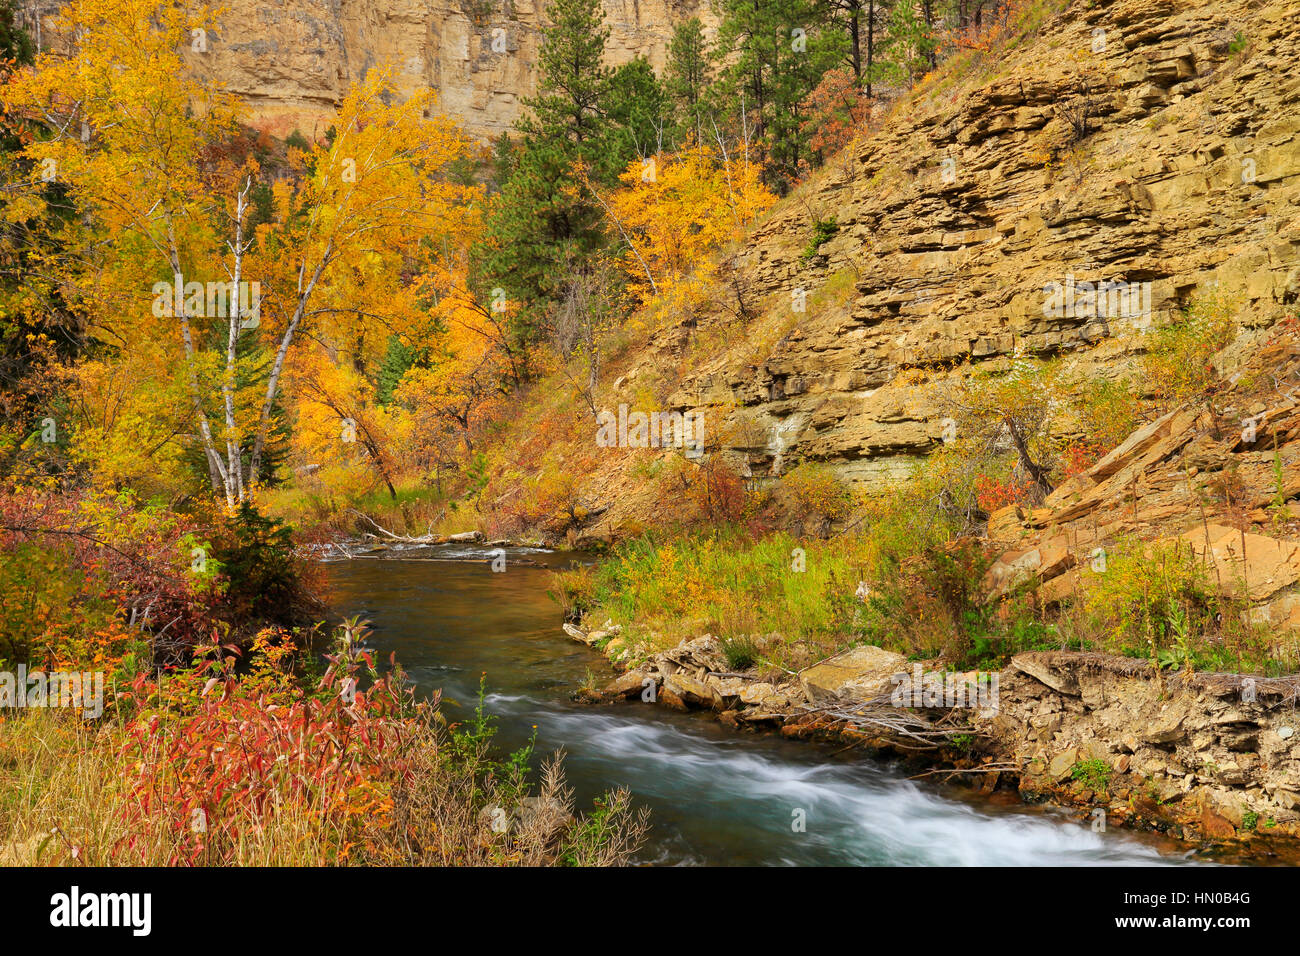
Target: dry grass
66	799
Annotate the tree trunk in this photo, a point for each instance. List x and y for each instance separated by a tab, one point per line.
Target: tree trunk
234	454
871	42
273	383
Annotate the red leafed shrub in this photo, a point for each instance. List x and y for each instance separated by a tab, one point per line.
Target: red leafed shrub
837	109
131	565
994	493
143	570
717	490
1080	456
253	750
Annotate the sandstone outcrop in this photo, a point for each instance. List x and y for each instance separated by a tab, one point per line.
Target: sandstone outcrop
1224	486
292	62
967	201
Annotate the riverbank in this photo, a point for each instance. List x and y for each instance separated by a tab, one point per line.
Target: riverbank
1203	758
716	797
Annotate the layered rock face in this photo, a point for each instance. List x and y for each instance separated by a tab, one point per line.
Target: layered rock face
292	62
1150	144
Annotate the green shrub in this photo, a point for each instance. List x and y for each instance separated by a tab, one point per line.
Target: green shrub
741	652
1093	774
823	231
1179	363
1142	600
815	489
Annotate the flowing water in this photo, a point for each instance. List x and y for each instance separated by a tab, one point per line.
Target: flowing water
716	796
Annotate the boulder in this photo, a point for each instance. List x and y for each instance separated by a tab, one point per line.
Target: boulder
669	698
690	691
1061	766
628	684
541	818
756	693
859	673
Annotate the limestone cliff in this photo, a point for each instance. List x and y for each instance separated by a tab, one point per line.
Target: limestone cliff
1153	144
956	214
292	61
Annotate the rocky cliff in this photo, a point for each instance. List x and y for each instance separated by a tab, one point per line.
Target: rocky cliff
1131	141
293	61
1146	147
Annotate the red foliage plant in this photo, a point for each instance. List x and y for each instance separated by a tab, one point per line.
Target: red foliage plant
139	558
247	753
994	493
837	109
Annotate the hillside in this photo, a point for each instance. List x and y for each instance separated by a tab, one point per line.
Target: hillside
964	360
1182	183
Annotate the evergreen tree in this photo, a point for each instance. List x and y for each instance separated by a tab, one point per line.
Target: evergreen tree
782	48
688	75
584	116
908	48
635	108
398	359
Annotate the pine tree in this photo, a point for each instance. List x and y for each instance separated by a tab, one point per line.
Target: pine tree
782	48
571	73
688	74
635	109
585	116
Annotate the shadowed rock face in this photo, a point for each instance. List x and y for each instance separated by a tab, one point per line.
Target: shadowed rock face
293	61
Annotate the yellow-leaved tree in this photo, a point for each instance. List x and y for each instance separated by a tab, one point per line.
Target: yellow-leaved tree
673	210
156	164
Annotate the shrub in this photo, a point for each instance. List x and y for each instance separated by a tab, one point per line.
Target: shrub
218	766
932	605
49	606
1001	416
1109	409
82	570
1142	597
1179	362
823	231
1093	774
816	490
741	652
717	491
254	554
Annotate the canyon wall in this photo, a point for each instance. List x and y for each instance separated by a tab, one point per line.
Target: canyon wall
292	62
957	213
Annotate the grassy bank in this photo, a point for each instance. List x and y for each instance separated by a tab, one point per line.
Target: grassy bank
906	579
275	765
218	734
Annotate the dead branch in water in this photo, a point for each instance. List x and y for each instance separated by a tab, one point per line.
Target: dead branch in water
400	538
